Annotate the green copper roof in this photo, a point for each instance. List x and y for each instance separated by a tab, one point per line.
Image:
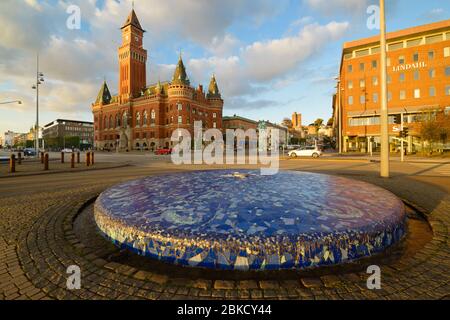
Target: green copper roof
213	90
180	76
104	96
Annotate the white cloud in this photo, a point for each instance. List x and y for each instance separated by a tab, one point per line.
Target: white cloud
271	59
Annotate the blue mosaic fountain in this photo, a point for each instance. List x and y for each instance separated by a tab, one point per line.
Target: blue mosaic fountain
224	219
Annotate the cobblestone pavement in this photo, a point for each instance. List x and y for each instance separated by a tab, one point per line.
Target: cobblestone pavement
43	232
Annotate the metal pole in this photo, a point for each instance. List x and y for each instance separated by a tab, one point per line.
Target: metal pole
401	137
384	133
36	130
339	118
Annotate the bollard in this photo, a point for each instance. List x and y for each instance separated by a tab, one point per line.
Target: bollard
72	161
19	158
78	157
92	158
88	159
42	157
62	157
46	162
12	163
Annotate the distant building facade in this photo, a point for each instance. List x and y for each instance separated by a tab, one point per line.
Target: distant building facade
297	121
10	137
144	116
236	122
63	133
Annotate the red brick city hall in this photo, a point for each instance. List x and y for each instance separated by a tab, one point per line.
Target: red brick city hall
144	116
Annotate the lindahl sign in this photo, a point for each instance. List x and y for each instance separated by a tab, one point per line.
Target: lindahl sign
409	66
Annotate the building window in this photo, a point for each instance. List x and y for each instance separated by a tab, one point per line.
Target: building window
180	119
447	71
138	118
375	97
402	94
402	77
125	119
350	100
180	107
432	73
194	111
350	84
401	60
145	118
349	68
375	80
374	64
214	115
362	99
153	114
214	125
416	57
362	83
361	66
416	93
416	74
430	55
447	52
432	92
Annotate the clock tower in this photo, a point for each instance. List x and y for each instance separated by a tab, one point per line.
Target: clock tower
132	59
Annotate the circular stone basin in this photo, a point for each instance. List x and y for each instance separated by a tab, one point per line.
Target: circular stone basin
241	220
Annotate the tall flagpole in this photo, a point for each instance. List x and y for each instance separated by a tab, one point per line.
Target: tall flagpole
384	133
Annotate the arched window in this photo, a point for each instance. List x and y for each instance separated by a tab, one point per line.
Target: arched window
105	124
125	119
145	117
117	121
110	124
153	116
138	118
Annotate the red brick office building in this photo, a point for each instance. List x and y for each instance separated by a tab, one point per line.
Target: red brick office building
418	80
144	116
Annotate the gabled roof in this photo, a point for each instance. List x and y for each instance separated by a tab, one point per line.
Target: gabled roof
132	20
104	96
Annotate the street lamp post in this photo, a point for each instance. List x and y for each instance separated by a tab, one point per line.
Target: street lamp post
15	101
384	133
339	115
39	81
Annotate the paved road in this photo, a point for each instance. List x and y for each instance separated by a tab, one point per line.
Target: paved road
38	241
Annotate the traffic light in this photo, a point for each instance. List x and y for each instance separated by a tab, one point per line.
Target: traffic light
397	119
405	132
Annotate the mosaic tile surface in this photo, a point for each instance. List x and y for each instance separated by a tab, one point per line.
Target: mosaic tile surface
241	220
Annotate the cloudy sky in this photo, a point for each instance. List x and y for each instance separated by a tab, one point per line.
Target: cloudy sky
270	57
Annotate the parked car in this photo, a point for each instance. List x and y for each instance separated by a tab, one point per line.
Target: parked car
306	152
163	151
66	150
29	152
